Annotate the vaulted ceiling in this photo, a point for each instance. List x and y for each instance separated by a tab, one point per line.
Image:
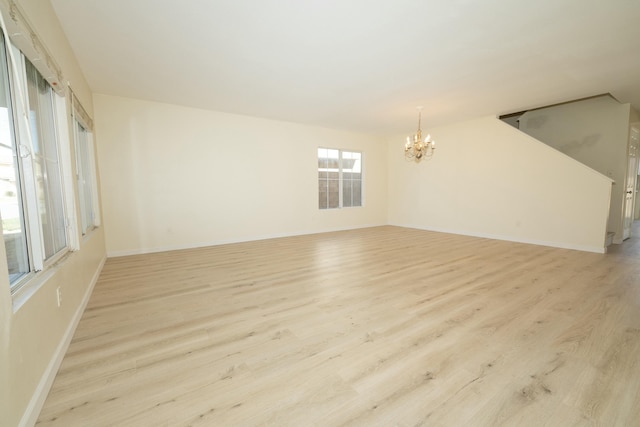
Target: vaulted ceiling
355	64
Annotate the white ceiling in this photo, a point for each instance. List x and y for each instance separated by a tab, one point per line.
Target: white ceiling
362	65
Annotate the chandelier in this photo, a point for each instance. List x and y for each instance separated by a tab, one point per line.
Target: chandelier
416	148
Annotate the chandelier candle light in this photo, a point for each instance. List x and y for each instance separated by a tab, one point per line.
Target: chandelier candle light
416	148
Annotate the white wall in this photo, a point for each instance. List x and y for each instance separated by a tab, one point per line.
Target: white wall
593	131
489	179
33	338
176	177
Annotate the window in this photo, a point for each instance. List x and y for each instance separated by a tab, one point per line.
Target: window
46	162
339	178
32	201
85	176
11	194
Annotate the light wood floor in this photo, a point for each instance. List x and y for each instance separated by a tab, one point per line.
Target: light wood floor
376	327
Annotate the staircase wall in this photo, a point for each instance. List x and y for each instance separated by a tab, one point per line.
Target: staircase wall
488	179
595	132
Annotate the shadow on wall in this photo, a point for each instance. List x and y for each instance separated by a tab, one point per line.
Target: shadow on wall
537	122
574	147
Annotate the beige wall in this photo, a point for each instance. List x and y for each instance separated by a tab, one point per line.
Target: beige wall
33	338
593	131
176	177
488	179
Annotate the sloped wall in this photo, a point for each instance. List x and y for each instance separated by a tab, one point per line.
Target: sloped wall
488	179
593	131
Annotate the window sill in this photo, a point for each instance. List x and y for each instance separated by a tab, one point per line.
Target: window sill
35	280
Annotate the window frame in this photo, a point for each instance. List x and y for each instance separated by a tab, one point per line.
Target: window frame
341	180
86	177
47	150
23	126
16	151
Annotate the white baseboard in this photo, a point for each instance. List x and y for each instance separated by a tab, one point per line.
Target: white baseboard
30	416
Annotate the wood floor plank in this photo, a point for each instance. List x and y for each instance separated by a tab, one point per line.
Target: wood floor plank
384	326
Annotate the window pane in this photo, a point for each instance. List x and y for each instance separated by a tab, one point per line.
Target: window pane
322	159
328	178
339	177
323	183
85	177
357	193
352	162
323	191
333	191
346	193
11	208
353	174
46	162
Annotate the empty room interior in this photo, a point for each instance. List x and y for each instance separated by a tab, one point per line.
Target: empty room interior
319	213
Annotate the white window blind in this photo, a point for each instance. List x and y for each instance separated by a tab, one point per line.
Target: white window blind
21	34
